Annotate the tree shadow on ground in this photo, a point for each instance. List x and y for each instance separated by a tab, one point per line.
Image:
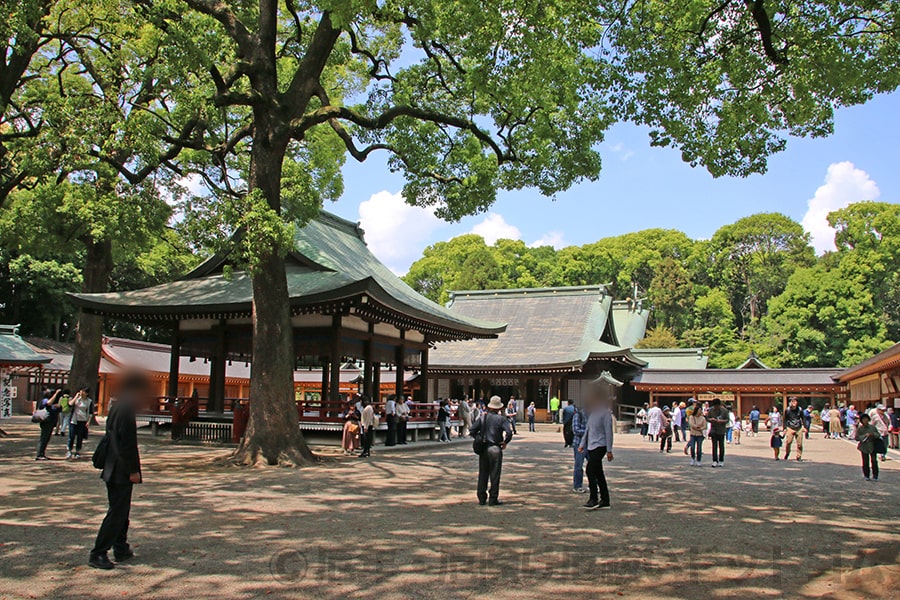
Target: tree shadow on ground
406	526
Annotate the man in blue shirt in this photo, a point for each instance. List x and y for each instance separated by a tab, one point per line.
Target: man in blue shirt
598	443
754	421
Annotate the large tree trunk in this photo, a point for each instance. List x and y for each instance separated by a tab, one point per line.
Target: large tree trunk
273	434
89	331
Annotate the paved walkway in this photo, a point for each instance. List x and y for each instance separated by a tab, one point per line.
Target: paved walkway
405	525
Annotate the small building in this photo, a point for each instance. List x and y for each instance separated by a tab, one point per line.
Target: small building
742	387
345	305
875	380
118	354
14	354
556	341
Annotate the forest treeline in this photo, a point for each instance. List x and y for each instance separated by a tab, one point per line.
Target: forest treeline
755	285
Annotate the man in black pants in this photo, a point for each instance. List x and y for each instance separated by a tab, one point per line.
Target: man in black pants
598	442
390	415
497	434
718	420
121	470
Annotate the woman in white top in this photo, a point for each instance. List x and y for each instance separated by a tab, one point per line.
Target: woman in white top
654	421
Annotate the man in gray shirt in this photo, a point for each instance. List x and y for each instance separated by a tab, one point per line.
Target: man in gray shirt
597	441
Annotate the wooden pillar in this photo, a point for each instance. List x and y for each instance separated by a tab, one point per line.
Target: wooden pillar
376	381
424	375
174	361
324	391
399	359
368	349
335	388
216	401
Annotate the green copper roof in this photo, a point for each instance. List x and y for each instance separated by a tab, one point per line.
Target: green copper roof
629	322
14	350
673	358
549	329
330	266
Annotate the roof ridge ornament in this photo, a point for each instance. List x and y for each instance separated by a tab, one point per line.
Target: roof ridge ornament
607	378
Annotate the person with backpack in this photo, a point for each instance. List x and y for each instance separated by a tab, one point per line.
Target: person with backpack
47	407
492	433
794	429
868	437
119	458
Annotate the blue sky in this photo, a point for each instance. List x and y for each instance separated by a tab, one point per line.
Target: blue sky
642	187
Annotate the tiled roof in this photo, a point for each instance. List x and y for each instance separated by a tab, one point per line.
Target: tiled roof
720	379
15	352
673	358
330	263
888	359
548	329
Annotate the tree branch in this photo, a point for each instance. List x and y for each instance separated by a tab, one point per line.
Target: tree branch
236	29
306	78
327	113
778	57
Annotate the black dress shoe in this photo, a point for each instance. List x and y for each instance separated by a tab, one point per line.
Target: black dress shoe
482	502
123	556
101	561
495	503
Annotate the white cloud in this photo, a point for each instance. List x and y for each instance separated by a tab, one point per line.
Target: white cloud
622	150
494	227
552	238
395	231
844	184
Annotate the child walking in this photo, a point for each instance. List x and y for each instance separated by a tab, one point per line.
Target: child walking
777	438
736	431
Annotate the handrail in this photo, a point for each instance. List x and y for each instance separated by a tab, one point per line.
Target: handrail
186	408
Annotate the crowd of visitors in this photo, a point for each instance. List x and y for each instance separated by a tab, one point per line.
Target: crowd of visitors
57	411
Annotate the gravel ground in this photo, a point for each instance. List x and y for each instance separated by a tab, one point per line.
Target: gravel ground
406	525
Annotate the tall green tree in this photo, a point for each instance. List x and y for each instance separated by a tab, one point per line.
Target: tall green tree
868	247
93	89
467	98
671	295
825	317
22	33
754	257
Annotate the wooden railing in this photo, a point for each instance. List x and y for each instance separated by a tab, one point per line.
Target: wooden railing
184	409
329	411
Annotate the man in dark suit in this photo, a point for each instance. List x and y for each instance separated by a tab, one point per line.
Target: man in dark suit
121	470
